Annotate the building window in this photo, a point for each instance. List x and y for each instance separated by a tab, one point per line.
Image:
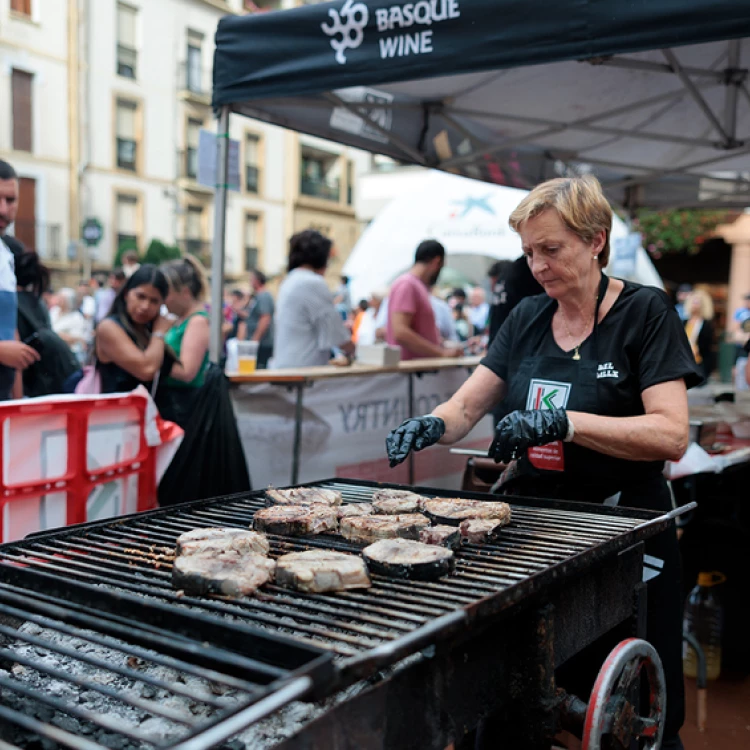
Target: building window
127	139
320	174
21	84
252	172
191	153
251	242
194	243
23	7
127	221
127	55
194	67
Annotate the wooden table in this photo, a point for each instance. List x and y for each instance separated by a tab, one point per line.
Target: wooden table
300	377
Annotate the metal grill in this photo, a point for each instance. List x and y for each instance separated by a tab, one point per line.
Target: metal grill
113	580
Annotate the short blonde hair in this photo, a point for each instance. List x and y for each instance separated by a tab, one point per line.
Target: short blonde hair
706	303
580	203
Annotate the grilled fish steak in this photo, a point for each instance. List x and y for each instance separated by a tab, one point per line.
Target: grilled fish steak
225	573
317	571
200	541
481	530
369	529
453	510
392	502
443	536
405	558
354	509
304	496
296	520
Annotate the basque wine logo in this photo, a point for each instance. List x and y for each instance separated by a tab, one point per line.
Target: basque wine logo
346	27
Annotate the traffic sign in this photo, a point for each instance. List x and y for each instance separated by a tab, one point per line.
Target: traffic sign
92	232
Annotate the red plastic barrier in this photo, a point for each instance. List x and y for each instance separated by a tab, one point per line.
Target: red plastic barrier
69	461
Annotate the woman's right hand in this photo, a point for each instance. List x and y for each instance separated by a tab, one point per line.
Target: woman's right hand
162	324
413	434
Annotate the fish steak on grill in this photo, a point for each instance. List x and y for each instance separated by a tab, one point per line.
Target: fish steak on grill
454	510
369	529
405	558
318	571
304	496
225	573
481	530
443	536
392	502
210	540
354	509
296	520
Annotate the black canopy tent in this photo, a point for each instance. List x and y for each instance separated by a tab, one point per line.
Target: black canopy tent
650	95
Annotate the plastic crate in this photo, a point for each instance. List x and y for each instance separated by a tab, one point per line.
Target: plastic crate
73	459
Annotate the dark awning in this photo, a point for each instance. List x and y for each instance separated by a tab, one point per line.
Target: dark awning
651	95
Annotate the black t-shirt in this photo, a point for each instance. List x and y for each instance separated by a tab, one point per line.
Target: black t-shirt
640	343
517	284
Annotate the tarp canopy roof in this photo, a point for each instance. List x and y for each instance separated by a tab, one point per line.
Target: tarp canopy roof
470	219
650	95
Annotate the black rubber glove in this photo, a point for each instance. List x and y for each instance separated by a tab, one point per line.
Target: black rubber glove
413	434
521	430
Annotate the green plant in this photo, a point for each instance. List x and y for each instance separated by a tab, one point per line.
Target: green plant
677	231
158	252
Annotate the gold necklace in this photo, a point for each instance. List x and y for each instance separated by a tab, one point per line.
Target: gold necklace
576	354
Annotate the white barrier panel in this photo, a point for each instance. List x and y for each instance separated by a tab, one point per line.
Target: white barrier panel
345	422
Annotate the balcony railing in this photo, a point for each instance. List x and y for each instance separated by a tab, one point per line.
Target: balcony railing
44	239
329	190
252	178
194	80
201	249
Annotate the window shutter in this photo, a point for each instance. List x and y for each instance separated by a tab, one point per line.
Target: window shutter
127	214
21	84
126	119
126	26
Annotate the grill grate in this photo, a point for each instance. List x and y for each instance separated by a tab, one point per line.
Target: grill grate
109	585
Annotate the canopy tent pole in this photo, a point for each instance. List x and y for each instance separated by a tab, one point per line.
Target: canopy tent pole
220	218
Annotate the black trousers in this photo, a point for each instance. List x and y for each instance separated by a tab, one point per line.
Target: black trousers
663	624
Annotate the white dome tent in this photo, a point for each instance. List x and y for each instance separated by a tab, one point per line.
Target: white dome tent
470	218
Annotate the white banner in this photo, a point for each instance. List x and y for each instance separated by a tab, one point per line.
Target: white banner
345	422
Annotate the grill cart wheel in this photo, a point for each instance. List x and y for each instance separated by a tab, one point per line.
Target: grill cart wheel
613	709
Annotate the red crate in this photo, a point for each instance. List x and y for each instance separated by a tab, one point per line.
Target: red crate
70	460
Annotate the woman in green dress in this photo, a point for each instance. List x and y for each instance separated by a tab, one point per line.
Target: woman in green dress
188	338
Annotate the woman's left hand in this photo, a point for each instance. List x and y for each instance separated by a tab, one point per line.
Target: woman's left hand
521	430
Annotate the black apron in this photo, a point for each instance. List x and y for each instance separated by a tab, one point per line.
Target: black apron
561	472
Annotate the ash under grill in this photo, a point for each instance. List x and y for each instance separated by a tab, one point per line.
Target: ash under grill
216	665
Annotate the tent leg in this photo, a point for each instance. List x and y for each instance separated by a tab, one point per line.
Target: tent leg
217	253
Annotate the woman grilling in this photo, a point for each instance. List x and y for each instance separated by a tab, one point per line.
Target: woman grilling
593	375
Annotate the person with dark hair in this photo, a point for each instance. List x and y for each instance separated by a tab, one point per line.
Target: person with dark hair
129	344
57	362
516	283
308	326
15	356
411	318
343	298
457	297
259	324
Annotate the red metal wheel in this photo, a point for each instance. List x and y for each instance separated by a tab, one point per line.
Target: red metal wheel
614	705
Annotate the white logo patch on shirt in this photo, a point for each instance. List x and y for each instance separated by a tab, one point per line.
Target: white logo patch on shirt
607	370
547	394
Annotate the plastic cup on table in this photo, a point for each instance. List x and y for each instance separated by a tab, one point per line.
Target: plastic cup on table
247	357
